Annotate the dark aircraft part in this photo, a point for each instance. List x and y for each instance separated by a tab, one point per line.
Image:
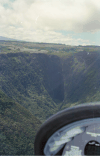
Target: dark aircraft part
73	131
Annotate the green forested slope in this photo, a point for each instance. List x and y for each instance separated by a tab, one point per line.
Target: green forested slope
82	78
45	78
42	79
28	79
18	128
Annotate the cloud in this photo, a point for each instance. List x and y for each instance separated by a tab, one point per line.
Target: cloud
39	19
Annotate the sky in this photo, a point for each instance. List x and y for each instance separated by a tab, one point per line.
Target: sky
70	22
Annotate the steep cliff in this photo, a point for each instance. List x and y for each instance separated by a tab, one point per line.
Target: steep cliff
81	73
33	80
46	83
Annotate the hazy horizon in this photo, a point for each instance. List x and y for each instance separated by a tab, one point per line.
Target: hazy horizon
70	22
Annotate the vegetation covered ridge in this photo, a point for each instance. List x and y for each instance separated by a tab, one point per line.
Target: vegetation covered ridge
18	128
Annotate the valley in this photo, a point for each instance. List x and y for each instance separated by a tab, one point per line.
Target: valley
42	79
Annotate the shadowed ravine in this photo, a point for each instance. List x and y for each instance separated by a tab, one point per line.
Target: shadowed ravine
45	83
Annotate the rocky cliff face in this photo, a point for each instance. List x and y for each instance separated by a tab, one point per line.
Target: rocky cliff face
45	83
